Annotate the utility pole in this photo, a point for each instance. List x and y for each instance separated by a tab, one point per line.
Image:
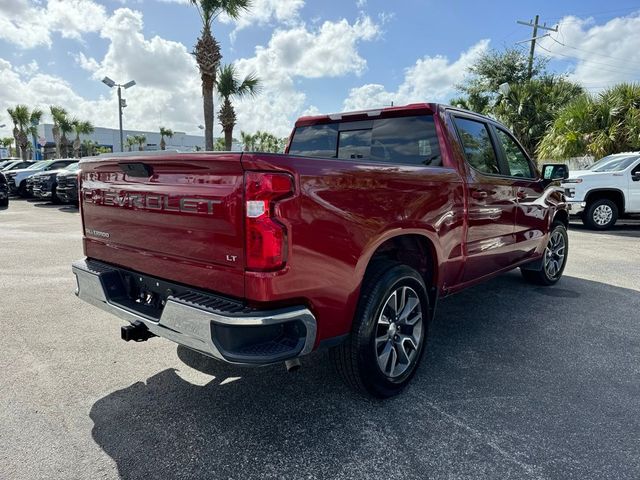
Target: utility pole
533	39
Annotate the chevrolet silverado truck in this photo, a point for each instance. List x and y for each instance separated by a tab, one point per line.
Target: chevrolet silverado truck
608	190
346	241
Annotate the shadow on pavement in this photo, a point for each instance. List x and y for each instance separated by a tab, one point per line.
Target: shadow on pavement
623	228
518	382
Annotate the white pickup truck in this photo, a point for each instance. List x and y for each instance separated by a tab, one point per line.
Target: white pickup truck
606	191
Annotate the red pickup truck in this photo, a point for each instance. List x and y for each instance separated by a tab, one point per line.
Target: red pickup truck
345	242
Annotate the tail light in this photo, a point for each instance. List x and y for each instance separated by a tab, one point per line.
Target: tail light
266	237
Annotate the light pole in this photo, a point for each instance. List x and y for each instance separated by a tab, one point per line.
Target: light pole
121	103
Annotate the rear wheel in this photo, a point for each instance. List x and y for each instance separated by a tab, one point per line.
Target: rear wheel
55	199
22	189
601	214
4	202
554	260
388	334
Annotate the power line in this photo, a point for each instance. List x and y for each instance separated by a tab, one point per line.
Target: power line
613	67
600	13
587	51
533	39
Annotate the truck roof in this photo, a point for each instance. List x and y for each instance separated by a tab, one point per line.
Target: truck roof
385	112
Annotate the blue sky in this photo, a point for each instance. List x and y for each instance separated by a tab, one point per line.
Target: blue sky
314	56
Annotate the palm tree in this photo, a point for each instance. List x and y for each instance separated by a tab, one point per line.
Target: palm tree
207	53
595	125
140	140
26	124
89	147
248	141
219	145
529	108
59	114
164	132
6	143
229	86
65	125
16	131
131	141
81	127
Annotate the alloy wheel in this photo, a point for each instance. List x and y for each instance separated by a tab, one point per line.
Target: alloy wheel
399	332
602	215
555	254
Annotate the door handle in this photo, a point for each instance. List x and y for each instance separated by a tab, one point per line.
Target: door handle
521	194
479	194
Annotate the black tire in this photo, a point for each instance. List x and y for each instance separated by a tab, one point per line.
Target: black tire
4	202
22	189
549	276
54	197
357	359
593	215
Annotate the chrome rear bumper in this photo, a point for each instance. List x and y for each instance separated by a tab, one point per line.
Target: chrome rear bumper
216	333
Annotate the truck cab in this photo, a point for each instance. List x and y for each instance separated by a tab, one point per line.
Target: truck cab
608	190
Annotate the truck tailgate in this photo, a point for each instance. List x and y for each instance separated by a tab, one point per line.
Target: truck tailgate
174	216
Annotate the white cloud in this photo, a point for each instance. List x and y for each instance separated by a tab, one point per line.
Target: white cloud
29	24
264	12
168	90
603	54
328	51
28	69
431	79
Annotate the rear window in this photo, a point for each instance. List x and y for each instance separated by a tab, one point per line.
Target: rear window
403	140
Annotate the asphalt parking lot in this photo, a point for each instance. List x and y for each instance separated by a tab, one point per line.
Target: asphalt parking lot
519	382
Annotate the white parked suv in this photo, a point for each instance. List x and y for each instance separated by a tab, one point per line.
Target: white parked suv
606	191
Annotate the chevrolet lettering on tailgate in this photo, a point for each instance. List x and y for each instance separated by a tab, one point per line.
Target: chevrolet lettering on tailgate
148	201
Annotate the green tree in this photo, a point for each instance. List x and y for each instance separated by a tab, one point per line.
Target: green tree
130	142
89	147
25	121
219	145
80	127
65	124
16	130
164	132
527	106
6	143
597	125
140	140
229	86
207	53
59	115
248	141
481	87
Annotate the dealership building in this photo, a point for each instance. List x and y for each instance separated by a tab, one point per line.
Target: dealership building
110	138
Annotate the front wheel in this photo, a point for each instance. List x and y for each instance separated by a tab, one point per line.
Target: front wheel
554	259
389	331
600	215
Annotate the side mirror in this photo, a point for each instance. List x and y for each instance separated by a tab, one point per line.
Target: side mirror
554	171
636	177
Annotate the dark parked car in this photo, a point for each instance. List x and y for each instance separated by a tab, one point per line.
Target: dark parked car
67	190
4	191
44	185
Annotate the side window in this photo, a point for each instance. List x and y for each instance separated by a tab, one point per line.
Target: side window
519	166
407	140
315	141
477	145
